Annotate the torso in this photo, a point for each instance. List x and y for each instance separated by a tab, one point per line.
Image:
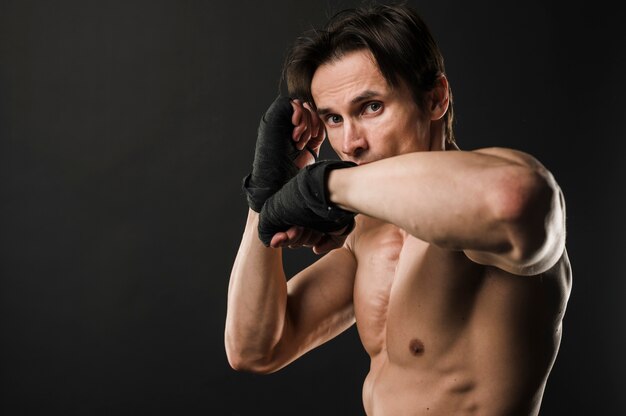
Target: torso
447	335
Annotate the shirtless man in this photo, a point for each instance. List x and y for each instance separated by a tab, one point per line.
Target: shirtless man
455	273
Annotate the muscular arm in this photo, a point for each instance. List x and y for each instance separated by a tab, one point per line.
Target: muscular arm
271	322
498	205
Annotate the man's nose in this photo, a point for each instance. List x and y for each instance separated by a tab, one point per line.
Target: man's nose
354	141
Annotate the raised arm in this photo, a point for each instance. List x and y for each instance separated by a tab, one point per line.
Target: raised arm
500	206
270	322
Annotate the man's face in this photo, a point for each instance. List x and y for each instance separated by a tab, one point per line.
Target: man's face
365	118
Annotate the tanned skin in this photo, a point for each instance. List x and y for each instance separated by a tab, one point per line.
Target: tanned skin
456	273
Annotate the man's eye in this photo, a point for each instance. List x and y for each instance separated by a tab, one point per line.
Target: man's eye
373	107
333	119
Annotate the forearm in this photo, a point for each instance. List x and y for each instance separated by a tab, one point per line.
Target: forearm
257	297
455	199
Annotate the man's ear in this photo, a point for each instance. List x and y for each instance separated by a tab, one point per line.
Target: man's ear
439	98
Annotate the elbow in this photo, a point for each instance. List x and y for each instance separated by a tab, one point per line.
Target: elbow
245	360
240	363
529	206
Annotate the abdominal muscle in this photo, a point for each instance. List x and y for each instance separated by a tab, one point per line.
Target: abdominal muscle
446	335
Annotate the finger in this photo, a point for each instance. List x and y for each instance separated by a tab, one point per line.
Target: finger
306	238
323	246
315	120
300	131
327	244
300	237
305	158
310	131
307	134
316	142
299	122
318	133
297	112
285	238
310	238
300	135
293	234
278	239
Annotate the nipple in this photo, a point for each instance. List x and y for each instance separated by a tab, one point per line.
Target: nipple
416	347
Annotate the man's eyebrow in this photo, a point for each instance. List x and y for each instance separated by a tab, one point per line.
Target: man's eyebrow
365	95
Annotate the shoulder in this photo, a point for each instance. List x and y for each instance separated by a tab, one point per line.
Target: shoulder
512	155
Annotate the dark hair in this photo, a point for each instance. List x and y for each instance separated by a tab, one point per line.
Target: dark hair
396	36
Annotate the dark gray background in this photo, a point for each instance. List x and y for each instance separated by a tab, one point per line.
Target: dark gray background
125	129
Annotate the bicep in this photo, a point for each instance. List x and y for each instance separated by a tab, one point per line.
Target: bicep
319	304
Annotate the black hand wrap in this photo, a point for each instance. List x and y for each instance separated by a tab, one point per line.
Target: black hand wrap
273	156
303	201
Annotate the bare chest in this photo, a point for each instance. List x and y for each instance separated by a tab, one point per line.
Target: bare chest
461	331
403	283
373	284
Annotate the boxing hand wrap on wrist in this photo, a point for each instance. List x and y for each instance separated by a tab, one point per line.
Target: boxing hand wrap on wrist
303	201
274	154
